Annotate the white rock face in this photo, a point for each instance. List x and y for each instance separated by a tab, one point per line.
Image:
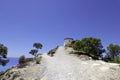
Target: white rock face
64	66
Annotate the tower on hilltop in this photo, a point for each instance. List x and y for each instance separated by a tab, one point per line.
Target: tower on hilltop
68	41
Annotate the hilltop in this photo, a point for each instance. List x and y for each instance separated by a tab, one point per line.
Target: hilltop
64	66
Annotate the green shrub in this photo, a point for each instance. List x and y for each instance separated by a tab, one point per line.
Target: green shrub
22	62
117	60
113	52
22	59
91	46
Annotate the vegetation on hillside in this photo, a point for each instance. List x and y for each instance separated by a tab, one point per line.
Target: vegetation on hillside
113	53
37	47
35	51
22	62
3	55
52	51
91	46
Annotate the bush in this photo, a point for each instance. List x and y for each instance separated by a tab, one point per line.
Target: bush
22	59
116	60
22	62
29	59
113	51
52	52
91	46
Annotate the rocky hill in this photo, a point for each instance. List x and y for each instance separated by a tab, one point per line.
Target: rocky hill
63	66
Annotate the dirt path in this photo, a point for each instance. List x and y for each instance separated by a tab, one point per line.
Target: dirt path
61	66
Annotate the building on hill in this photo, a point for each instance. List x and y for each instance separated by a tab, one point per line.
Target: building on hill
68	41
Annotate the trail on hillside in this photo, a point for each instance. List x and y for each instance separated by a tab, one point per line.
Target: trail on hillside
63	66
66	67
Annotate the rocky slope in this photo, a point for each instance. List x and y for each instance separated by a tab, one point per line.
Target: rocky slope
64	66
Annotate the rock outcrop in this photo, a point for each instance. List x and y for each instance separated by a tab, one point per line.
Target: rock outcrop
63	66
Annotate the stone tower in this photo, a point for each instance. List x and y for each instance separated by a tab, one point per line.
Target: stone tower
68	41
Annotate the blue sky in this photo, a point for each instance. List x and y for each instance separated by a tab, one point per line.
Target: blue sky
23	22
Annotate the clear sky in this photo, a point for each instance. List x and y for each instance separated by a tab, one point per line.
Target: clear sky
23	22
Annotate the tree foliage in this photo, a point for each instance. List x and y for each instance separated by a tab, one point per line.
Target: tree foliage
77	45
113	51
33	52
37	46
3	55
91	46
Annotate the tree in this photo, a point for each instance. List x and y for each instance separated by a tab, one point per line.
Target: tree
33	52
3	55
77	45
91	46
37	46
113	51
